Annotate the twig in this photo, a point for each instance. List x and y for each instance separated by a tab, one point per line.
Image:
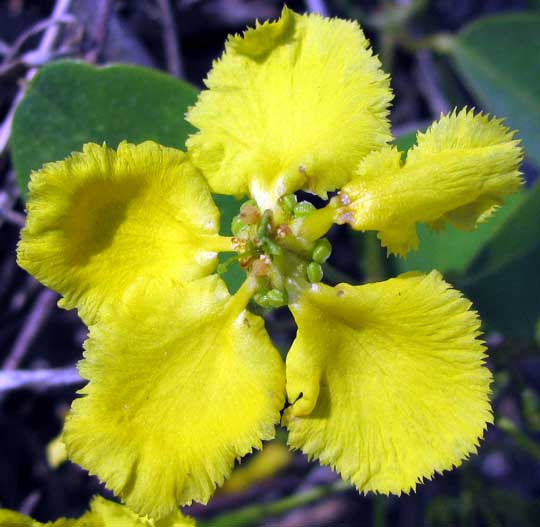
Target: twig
4	48
99	36
46	44
34	322
18	379
317	6
49	37
429	84
6	210
36	28
12	216
29	503
5	127
170	40
27	289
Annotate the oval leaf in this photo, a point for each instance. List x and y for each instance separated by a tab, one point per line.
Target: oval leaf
499	61
503	280
70	103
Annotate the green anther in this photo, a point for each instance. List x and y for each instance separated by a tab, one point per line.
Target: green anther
303	209
314	272
322	250
272	247
237	225
277	298
262	299
289	202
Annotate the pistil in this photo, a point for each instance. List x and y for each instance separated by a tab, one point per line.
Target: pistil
280	262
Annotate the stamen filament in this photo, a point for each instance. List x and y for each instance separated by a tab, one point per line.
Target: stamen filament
318	223
217	243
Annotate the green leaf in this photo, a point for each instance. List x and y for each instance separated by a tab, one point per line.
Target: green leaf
498	58
405	141
503	280
229	206
452	250
71	103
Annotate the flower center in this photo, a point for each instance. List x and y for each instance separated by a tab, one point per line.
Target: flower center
269	248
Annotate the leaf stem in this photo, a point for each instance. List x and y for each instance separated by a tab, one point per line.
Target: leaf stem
254	514
521	439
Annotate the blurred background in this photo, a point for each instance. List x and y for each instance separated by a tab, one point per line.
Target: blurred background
441	54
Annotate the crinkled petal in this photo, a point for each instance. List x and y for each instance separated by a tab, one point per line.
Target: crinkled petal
15	519
294	103
102	513
387	380
183	381
101	218
115	515
461	170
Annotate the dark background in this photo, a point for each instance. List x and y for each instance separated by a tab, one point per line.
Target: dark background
498	487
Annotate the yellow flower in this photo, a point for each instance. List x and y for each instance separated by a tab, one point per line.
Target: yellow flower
102	513
386	382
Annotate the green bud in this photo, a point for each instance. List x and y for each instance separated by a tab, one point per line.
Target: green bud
322	250
277	297
237	225
289	202
303	209
262	300
314	272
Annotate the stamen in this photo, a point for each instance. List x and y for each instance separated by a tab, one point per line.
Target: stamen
262	266
250	214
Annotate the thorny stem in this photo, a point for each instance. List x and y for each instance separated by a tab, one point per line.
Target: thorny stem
254	514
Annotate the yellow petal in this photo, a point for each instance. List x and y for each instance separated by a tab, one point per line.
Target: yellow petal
387	380
183	381
15	519
461	169
102	513
116	515
294	103
100	218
